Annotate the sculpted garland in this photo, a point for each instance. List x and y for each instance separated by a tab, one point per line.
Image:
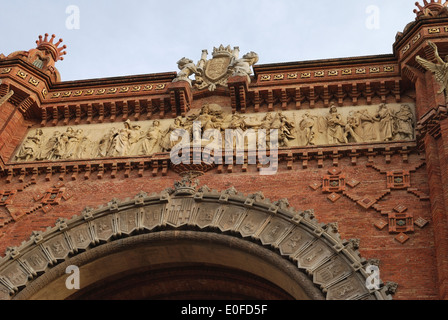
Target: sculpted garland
295	129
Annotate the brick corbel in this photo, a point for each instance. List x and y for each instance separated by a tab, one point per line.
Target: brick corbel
180	97
239	87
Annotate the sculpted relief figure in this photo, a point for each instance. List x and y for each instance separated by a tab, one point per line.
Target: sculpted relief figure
404	124
352	128
187	68
30	147
120	143
386	123
336	127
210	117
308	125
440	69
173	132
243	66
135	136
367	128
76	146
151	143
286	129
48	151
105	143
277	121
295	129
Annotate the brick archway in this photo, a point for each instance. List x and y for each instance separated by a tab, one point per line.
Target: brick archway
186	229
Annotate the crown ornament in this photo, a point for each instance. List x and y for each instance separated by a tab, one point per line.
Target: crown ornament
222	51
48	44
188	184
431	9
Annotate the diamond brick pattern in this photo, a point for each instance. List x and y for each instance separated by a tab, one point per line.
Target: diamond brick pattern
366	203
381	224
420	222
334	197
402	238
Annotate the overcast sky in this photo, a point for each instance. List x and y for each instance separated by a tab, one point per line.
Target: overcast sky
108	38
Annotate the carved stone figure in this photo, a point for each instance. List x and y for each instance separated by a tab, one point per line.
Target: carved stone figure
335	127
105	143
84	149
187	68
440	69
30	147
386	126
280	122
367	131
238	123
286	129
242	67
135	136
351	128
151	143
61	145
175	131
47	152
120	144
208	118
308	126
209	74
73	143
404	123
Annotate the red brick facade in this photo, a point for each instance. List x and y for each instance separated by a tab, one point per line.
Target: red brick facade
393	196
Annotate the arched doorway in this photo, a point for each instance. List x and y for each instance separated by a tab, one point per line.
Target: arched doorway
189	243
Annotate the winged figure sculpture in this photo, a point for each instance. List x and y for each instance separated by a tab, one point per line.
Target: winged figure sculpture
440	69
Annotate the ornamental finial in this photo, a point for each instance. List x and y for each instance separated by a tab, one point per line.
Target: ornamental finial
47	44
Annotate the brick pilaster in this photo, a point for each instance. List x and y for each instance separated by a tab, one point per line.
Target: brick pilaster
437	166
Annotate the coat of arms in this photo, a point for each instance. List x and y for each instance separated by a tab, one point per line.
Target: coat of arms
216	71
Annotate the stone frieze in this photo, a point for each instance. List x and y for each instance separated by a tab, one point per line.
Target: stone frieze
318	127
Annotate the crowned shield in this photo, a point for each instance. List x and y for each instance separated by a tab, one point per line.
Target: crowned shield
216	68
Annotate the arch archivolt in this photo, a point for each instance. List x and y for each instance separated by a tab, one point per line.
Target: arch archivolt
331	265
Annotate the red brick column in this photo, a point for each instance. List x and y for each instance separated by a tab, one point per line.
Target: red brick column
437	166
12	130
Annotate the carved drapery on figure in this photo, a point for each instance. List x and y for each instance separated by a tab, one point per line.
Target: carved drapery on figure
319	127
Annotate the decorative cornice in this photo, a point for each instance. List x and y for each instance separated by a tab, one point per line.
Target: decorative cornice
5	97
160	164
430	122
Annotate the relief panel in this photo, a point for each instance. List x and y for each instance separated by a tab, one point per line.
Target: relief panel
297	240
152	216
350	288
80	237
299	128
36	260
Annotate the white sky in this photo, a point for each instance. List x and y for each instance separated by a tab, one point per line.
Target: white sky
132	37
